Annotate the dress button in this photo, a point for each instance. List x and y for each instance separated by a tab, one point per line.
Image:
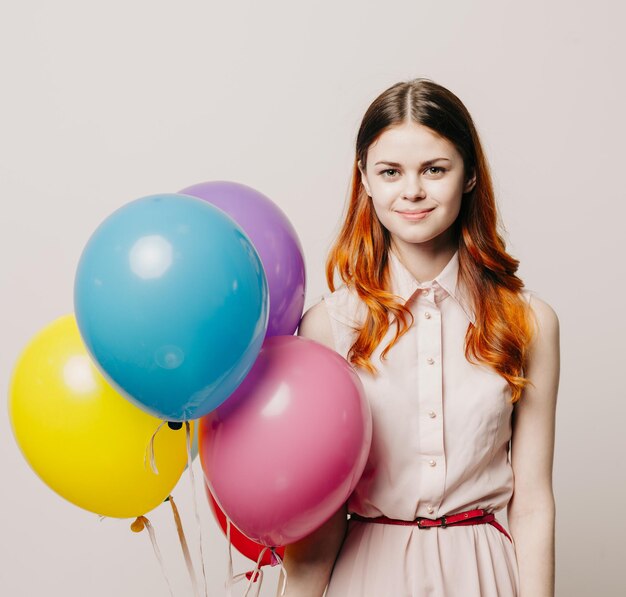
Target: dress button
432	414
430	360
430	509
427	315
432	463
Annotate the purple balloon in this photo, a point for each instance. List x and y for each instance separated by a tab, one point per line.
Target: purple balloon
276	242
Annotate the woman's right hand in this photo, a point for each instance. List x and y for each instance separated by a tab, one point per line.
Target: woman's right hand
310	561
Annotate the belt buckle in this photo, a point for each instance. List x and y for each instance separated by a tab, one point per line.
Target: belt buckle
442	519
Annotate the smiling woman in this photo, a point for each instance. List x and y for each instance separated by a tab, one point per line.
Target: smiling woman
416	188
442	333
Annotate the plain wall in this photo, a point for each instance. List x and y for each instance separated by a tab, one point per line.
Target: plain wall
105	102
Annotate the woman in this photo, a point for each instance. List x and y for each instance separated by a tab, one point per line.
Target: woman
460	364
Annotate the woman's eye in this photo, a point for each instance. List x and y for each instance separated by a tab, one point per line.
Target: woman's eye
393	172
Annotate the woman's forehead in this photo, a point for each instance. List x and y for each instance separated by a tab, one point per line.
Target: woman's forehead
409	142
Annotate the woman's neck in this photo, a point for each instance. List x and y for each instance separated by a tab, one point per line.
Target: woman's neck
425	261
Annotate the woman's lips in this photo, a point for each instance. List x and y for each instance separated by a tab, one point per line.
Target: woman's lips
412	215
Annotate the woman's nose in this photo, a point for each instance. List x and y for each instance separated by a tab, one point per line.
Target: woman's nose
413	188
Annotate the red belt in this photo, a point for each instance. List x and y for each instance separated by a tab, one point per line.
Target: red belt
459	519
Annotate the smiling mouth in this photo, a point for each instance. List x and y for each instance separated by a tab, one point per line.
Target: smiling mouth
415	216
421	211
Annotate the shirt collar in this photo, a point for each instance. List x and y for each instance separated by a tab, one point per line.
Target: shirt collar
404	284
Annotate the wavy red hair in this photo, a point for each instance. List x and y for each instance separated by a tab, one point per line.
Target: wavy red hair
504	322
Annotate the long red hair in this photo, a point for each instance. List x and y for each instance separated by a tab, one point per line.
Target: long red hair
504	324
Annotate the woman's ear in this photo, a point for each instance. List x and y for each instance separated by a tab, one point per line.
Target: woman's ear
363	178
470	184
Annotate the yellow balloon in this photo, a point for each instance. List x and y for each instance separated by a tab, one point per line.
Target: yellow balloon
84	439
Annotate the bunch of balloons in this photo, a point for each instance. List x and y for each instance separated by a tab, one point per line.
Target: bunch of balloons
185	307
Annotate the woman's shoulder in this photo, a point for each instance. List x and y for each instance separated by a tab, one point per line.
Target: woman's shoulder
344	306
333	319
315	324
543	313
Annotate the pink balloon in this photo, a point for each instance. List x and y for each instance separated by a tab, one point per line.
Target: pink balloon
287	448
247	547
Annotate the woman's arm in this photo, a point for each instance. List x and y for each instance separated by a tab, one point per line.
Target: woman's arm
531	511
309	562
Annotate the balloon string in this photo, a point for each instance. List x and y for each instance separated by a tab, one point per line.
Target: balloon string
276	558
185	548
150	451
257	568
230	580
250	575
195	502
233	579
137	526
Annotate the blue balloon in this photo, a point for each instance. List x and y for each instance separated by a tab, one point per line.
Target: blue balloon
172	303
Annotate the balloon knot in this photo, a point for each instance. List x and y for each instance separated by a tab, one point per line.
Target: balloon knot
274	557
256	576
138	525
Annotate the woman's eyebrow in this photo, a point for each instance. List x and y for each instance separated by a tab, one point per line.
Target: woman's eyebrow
427	163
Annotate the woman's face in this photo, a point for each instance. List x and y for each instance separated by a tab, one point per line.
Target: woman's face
410	170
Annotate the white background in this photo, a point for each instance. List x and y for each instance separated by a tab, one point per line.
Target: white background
105	102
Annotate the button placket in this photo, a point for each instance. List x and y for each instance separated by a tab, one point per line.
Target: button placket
430	387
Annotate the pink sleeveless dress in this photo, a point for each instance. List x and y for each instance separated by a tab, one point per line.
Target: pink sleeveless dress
440	445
